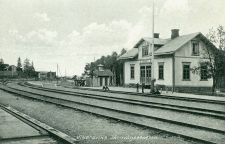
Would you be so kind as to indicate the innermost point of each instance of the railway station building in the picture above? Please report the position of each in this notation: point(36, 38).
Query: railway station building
point(174, 58)
point(101, 77)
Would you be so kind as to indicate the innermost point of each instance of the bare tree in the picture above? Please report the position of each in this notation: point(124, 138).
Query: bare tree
point(212, 58)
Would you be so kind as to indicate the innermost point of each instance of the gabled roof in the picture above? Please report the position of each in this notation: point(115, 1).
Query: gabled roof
point(176, 43)
point(105, 72)
point(7, 67)
point(169, 46)
point(157, 41)
point(129, 54)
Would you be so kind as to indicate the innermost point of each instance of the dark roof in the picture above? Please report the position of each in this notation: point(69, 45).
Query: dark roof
point(157, 41)
point(169, 46)
point(105, 72)
point(44, 72)
point(176, 43)
point(129, 54)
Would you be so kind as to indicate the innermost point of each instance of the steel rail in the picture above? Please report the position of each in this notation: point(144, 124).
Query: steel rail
point(192, 110)
point(50, 100)
point(46, 130)
point(153, 95)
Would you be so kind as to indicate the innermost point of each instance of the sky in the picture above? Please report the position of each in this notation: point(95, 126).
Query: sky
point(75, 32)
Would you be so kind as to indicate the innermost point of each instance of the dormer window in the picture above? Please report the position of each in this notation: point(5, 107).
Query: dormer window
point(144, 51)
point(195, 48)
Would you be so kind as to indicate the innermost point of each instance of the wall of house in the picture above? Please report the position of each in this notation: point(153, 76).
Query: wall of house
point(127, 78)
point(168, 75)
point(140, 50)
point(96, 81)
point(167, 81)
point(8, 73)
point(184, 54)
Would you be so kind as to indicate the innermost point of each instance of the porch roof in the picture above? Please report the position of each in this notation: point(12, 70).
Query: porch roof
point(105, 72)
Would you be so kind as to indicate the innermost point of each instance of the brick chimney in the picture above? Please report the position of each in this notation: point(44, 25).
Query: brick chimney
point(156, 35)
point(175, 33)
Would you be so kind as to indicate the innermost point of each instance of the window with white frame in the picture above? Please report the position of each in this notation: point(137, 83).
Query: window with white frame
point(144, 50)
point(132, 71)
point(203, 72)
point(195, 48)
point(161, 71)
point(186, 71)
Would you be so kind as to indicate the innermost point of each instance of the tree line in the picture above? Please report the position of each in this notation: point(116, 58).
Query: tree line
point(25, 70)
point(28, 69)
point(109, 62)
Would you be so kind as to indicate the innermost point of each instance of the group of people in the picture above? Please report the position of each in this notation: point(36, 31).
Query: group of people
point(156, 91)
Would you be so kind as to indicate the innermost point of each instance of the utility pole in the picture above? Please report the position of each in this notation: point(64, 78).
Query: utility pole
point(57, 74)
point(152, 60)
point(12, 70)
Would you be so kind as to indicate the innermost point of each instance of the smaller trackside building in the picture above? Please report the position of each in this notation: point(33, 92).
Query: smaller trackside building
point(174, 58)
point(101, 77)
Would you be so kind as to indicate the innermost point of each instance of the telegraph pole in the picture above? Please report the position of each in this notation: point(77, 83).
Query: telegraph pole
point(57, 74)
point(152, 59)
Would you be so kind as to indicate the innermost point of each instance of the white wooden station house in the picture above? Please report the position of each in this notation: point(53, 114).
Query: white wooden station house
point(174, 57)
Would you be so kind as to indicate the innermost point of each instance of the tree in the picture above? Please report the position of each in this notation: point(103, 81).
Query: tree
point(1, 61)
point(26, 67)
point(123, 51)
point(31, 69)
point(211, 57)
point(221, 38)
point(19, 65)
point(120, 68)
point(89, 68)
point(109, 62)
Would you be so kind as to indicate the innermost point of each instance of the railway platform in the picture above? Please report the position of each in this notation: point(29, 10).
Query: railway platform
point(134, 90)
point(15, 131)
point(169, 93)
point(18, 128)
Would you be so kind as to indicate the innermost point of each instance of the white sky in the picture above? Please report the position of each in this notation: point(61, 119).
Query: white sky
point(73, 32)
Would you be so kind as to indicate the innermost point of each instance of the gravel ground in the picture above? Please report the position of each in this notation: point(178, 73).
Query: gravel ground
point(211, 106)
point(166, 114)
point(89, 128)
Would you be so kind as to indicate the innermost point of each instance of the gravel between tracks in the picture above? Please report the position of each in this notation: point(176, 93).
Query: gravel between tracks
point(75, 123)
point(211, 106)
point(177, 116)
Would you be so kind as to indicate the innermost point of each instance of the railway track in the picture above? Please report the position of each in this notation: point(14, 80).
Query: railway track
point(48, 134)
point(188, 130)
point(150, 95)
point(192, 110)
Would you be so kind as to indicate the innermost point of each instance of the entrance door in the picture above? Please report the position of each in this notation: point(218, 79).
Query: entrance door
point(145, 75)
point(106, 81)
point(148, 75)
point(100, 81)
point(142, 75)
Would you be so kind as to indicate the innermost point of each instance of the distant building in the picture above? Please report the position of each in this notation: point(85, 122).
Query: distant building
point(174, 58)
point(45, 74)
point(101, 77)
point(11, 68)
point(3, 67)
point(7, 70)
